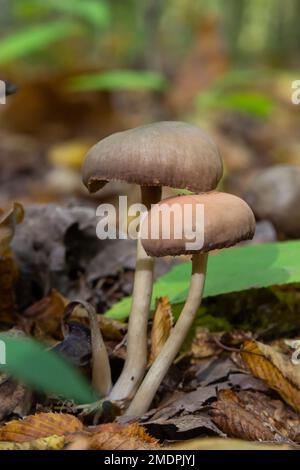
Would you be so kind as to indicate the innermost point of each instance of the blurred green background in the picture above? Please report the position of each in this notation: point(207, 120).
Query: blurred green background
point(86, 68)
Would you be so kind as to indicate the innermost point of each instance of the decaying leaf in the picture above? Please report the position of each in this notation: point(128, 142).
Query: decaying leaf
point(46, 443)
point(44, 317)
point(230, 416)
point(9, 218)
point(204, 344)
point(114, 436)
point(113, 330)
point(14, 397)
point(183, 426)
point(276, 369)
point(278, 414)
point(162, 324)
point(39, 426)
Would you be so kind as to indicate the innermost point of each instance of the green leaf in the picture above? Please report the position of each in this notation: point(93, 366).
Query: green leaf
point(256, 104)
point(43, 370)
point(25, 42)
point(230, 270)
point(253, 103)
point(119, 80)
point(94, 11)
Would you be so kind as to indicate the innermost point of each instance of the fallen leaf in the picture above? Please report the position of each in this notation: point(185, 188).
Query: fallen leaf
point(233, 419)
point(40, 425)
point(224, 444)
point(204, 345)
point(14, 398)
point(46, 443)
point(79, 442)
point(76, 345)
point(114, 436)
point(185, 426)
point(275, 412)
point(9, 218)
point(43, 318)
point(276, 369)
point(161, 327)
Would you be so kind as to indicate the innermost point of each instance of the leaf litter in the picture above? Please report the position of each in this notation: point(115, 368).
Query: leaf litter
point(223, 385)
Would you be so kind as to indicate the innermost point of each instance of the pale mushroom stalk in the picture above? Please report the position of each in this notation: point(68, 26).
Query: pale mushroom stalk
point(136, 359)
point(162, 363)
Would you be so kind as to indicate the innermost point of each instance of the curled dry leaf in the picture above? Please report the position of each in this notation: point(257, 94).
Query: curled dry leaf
point(39, 426)
point(46, 443)
point(162, 324)
point(230, 416)
point(276, 369)
point(114, 436)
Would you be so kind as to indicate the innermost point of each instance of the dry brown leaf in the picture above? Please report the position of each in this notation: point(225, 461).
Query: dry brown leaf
point(9, 218)
point(40, 425)
point(14, 397)
point(46, 443)
point(204, 344)
point(113, 330)
point(44, 317)
point(114, 436)
point(275, 412)
point(162, 324)
point(230, 416)
point(275, 369)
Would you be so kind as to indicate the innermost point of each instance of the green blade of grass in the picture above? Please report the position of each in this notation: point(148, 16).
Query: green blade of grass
point(35, 38)
point(42, 370)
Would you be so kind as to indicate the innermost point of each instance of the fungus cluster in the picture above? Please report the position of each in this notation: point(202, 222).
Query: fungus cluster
point(181, 156)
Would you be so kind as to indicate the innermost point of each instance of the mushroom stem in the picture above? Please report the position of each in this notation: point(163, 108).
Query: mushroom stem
point(159, 368)
point(136, 359)
point(101, 373)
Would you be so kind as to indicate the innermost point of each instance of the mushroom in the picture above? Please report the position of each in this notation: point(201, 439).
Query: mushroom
point(161, 154)
point(227, 221)
point(274, 195)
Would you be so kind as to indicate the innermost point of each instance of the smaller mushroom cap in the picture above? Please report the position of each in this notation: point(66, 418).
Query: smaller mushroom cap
point(171, 226)
point(167, 153)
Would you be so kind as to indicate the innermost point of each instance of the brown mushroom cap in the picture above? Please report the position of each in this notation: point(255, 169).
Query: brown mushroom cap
point(227, 221)
point(166, 153)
